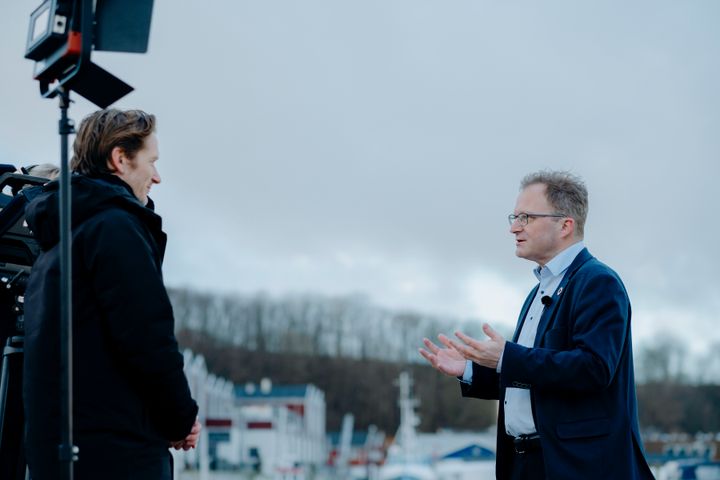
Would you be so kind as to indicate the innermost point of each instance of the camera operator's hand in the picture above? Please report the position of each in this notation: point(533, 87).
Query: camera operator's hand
point(191, 440)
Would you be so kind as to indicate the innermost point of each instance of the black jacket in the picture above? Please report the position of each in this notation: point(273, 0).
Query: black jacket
point(131, 396)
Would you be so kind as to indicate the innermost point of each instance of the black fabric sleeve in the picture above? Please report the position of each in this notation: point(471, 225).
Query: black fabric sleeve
point(485, 384)
point(138, 318)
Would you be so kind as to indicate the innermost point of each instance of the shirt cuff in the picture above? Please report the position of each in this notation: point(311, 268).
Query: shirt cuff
point(499, 365)
point(467, 374)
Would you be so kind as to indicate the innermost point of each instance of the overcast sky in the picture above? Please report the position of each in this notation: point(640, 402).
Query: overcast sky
point(376, 146)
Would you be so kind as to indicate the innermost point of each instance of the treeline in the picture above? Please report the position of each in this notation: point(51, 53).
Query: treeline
point(354, 351)
point(677, 407)
point(349, 326)
point(366, 388)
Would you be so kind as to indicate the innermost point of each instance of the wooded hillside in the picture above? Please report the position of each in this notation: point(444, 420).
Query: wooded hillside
point(365, 388)
point(353, 351)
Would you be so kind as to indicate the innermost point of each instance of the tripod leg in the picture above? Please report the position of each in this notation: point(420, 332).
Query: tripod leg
point(12, 418)
point(4, 382)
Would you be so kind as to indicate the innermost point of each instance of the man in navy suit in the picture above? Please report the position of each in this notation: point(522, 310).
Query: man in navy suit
point(565, 383)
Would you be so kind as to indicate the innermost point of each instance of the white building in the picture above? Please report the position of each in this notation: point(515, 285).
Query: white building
point(284, 427)
point(277, 429)
point(221, 437)
point(224, 425)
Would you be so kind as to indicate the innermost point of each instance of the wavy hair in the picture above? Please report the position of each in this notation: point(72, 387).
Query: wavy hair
point(104, 130)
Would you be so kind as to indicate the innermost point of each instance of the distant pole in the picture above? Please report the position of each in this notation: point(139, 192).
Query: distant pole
point(345, 444)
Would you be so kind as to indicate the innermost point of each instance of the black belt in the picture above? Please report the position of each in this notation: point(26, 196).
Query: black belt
point(527, 443)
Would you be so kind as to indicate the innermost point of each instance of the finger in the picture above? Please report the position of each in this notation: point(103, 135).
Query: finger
point(444, 340)
point(490, 332)
point(449, 344)
point(468, 340)
point(429, 357)
point(461, 349)
point(431, 346)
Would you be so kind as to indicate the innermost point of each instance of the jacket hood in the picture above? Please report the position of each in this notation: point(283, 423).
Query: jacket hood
point(89, 196)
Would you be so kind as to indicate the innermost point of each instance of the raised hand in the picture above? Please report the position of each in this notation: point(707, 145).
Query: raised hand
point(444, 359)
point(486, 353)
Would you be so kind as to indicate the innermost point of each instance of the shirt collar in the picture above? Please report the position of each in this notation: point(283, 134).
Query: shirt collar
point(560, 262)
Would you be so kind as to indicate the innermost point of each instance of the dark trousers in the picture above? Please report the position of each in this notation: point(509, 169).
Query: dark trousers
point(528, 465)
point(140, 469)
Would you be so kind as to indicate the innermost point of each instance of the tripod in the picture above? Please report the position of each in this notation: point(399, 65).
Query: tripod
point(12, 418)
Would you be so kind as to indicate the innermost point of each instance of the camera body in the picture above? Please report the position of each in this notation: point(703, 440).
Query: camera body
point(18, 248)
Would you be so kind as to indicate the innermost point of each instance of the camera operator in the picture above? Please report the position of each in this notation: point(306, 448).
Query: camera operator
point(131, 397)
point(43, 170)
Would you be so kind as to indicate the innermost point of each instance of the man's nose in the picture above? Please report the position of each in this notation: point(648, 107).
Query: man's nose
point(156, 177)
point(515, 227)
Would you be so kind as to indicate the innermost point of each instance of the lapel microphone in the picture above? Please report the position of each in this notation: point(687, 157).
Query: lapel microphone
point(546, 300)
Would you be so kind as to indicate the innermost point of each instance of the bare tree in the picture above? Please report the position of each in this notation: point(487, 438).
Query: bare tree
point(662, 360)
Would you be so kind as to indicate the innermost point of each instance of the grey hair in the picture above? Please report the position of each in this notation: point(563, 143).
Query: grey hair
point(565, 192)
point(45, 170)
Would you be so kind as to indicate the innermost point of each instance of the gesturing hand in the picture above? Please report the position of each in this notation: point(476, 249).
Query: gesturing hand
point(446, 360)
point(486, 353)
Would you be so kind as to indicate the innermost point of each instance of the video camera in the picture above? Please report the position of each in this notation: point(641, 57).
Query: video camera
point(18, 251)
point(18, 248)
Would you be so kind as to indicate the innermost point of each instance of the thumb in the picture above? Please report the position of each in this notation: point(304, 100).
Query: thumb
point(491, 333)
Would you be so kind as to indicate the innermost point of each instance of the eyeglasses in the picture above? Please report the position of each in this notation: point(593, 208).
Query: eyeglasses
point(524, 218)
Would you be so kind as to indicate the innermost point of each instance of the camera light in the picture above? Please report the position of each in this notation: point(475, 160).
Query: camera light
point(48, 28)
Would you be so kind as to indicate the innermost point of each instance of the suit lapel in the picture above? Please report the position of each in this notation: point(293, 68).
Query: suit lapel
point(523, 313)
point(558, 295)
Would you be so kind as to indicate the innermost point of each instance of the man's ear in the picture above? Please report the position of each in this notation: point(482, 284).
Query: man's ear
point(117, 161)
point(568, 227)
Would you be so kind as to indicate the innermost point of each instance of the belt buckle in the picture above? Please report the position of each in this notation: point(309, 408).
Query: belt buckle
point(522, 443)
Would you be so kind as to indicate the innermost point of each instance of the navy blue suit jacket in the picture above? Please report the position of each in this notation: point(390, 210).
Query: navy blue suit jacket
point(581, 381)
